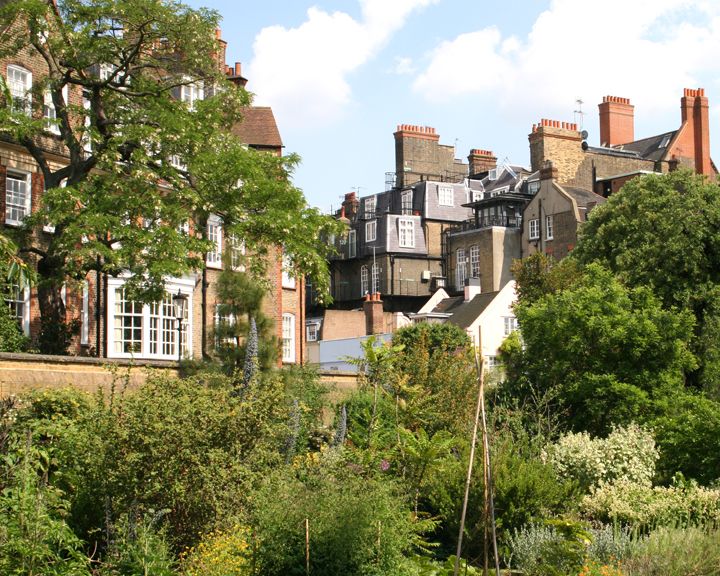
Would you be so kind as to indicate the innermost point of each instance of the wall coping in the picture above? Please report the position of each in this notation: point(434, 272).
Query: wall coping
point(87, 360)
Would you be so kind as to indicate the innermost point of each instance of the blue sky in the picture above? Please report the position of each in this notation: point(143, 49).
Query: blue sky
point(342, 74)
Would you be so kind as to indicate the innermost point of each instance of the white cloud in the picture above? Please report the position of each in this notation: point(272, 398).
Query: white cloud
point(302, 72)
point(647, 50)
point(403, 66)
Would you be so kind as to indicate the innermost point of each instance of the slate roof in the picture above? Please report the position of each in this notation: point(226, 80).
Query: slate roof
point(466, 313)
point(258, 128)
point(584, 197)
point(649, 148)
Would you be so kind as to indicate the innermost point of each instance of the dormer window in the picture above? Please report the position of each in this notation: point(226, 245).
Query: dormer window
point(446, 197)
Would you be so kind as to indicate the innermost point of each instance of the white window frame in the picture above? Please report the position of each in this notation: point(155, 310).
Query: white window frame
point(533, 186)
point(406, 233)
point(549, 227)
point(370, 206)
point(474, 261)
point(375, 278)
point(20, 88)
point(151, 320)
point(352, 244)
point(214, 233)
point(49, 112)
point(534, 229)
point(288, 280)
point(85, 315)
point(371, 231)
point(406, 202)
point(446, 195)
point(17, 208)
point(192, 93)
point(229, 319)
point(312, 332)
point(510, 325)
point(364, 280)
point(17, 299)
point(288, 338)
point(460, 268)
point(237, 252)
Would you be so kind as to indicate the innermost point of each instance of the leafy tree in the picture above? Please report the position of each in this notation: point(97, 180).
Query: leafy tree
point(610, 352)
point(238, 345)
point(660, 231)
point(141, 162)
point(540, 274)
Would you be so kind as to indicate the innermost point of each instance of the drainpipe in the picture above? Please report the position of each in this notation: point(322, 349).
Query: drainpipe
point(98, 306)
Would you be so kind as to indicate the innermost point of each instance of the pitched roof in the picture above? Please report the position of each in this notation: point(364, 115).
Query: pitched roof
point(584, 197)
point(467, 312)
point(652, 148)
point(258, 127)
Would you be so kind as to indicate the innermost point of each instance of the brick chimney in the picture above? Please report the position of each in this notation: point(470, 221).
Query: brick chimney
point(417, 154)
point(374, 316)
point(350, 205)
point(481, 161)
point(696, 125)
point(234, 74)
point(617, 121)
point(472, 288)
point(559, 142)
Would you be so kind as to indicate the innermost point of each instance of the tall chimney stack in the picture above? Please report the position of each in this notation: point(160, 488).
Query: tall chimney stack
point(696, 119)
point(617, 121)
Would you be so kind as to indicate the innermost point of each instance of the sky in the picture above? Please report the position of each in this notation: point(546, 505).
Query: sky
point(341, 75)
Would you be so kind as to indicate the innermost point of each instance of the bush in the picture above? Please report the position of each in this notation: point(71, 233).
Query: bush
point(11, 337)
point(645, 507)
point(676, 552)
point(220, 553)
point(628, 453)
point(552, 549)
point(358, 525)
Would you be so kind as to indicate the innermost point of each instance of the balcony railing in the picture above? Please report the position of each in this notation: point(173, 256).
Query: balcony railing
point(486, 222)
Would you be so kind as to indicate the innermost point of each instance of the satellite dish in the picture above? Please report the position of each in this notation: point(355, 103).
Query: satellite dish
point(584, 134)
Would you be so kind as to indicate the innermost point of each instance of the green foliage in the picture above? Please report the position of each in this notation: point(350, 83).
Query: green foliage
point(438, 338)
point(241, 298)
point(688, 435)
point(540, 274)
point(642, 506)
point(357, 523)
point(555, 548)
point(138, 548)
point(672, 551)
point(11, 337)
point(220, 553)
point(628, 453)
point(34, 536)
point(609, 351)
point(660, 231)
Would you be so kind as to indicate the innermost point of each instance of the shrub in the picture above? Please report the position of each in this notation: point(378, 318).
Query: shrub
point(643, 506)
point(220, 553)
point(676, 552)
point(552, 549)
point(11, 337)
point(628, 453)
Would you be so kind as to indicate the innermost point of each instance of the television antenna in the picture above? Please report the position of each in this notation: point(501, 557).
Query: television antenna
point(578, 112)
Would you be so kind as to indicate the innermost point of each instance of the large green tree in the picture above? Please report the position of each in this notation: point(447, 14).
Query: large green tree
point(608, 352)
point(147, 147)
point(661, 231)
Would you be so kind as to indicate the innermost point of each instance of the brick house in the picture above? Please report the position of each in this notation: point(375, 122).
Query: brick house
point(111, 326)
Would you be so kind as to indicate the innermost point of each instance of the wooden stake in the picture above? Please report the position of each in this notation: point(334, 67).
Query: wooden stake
point(468, 478)
point(307, 546)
